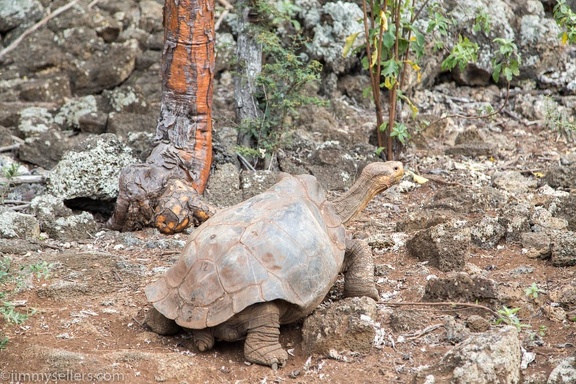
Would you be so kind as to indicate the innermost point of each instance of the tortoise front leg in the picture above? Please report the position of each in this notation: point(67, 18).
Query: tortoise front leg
point(263, 330)
point(359, 270)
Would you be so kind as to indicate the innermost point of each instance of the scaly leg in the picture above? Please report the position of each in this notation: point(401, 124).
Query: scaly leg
point(262, 345)
point(359, 270)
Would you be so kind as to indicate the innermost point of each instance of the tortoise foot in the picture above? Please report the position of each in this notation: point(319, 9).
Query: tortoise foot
point(203, 339)
point(270, 354)
point(262, 345)
point(359, 291)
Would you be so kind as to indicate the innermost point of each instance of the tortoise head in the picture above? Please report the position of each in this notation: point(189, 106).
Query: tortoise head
point(381, 176)
point(375, 178)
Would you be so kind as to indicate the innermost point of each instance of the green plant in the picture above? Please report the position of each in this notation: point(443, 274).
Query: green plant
point(12, 280)
point(542, 330)
point(566, 19)
point(283, 81)
point(462, 53)
point(392, 46)
point(508, 316)
point(533, 291)
point(9, 172)
point(558, 120)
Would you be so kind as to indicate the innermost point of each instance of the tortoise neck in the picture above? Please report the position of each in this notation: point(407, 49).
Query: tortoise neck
point(351, 203)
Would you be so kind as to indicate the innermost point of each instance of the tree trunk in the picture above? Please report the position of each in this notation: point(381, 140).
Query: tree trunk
point(249, 66)
point(165, 190)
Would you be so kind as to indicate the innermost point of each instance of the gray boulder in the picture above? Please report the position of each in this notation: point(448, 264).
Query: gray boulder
point(18, 225)
point(487, 232)
point(460, 287)
point(564, 249)
point(331, 23)
point(16, 13)
point(564, 373)
point(483, 358)
point(445, 246)
point(345, 325)
point(91, 170)
point(59, 222)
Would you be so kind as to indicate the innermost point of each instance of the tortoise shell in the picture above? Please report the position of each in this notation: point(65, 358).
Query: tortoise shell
point(286, 243)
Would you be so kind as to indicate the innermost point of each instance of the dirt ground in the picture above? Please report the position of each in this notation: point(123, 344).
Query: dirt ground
point(88, 325)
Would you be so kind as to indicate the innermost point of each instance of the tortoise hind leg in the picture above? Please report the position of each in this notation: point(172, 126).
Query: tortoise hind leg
point(359, 270)
point(160, 324)
point(263, 330)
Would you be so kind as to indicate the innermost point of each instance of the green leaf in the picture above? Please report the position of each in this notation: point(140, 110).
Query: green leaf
point(388, 39)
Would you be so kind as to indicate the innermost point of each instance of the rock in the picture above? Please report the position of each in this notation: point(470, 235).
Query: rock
point(483, 358)
point(59, 222)
point(18, 225)
point(331, 24)
point(108, 70)
point(460, 287)
point(537, 244)
point(93, 122)
point(73, 227)
point(91, 170)
point(469, 136)
point(422, 219)
point(513, 182)
point(47, 149)
point(16, 246)
point(51, 89)
point(122, 124)
point(543, 220)
point(402, 321)
point(141, 144)
point(150, 16)
point(19, 13)
point(487, 233)
point(255, 182)
point(564, 295)
point(465, 200)
point(445, 245)
point(472, 150)
point(333, 167)
point(456, 331)
point(70, 113)
point(347, 324)
point(564, 373)
point(564, 249)
point(353, 86)
point(562, 176)
point(5, 137)
point(477, 323)
point(35, 121)
point(223, 188)
point(515, 218)
point(567, 211)
point(225, 50)
point(125, 99)
point(223, 144)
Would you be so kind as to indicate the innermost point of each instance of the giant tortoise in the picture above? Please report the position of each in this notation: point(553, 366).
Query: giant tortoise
point(267, 261)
